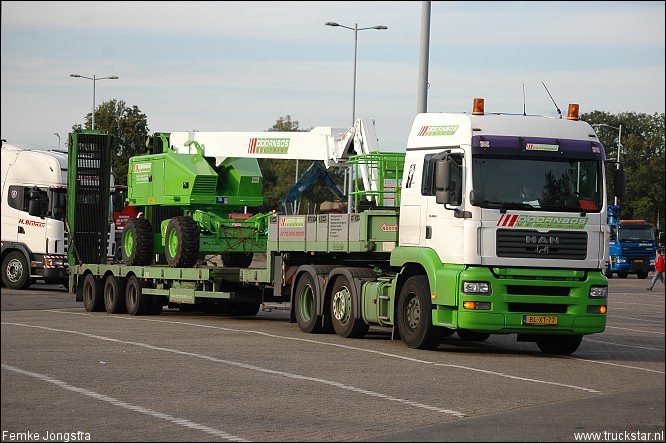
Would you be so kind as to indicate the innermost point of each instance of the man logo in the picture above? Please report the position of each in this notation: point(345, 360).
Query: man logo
point(534, 240)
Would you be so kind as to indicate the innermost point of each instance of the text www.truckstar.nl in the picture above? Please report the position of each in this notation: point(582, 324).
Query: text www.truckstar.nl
point(619, 436)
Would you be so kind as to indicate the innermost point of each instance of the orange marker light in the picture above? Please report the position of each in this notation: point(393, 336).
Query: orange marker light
point(602, 309)
point(573, 111)
point(479, 107)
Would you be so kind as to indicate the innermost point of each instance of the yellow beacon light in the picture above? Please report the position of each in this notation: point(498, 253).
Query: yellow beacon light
point(479, 106)
point(573, 111)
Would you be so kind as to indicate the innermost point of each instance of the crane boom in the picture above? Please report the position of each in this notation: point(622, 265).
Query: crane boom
point(331, 145)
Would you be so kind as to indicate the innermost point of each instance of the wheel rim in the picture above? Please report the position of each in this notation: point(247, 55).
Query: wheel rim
point(412, 313)
point(342, 305)
point(87, 293)
point(108, 295)
point(14, 270)
point(129, 242)
point(306, 303)
point(172, 243)
point(132, 296)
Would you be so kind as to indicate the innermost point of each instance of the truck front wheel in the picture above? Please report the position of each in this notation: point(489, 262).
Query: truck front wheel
point(15, 271)
point(414, 315)
point(343, 311)
point(559, 344)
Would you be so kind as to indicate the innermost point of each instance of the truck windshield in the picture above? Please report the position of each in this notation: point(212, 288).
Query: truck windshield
point(560, 185)
point(635, 234)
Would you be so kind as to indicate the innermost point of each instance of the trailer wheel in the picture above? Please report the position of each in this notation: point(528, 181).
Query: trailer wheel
point(156, 304)
point(343, 310)
point(559, 344)
point(305, 305)
point(137, 247)
point(414, 316)
point(114, 295)
point(181, 242)
point(15, 271)
point(137, 302)
point(467, 335)
point(93, 299)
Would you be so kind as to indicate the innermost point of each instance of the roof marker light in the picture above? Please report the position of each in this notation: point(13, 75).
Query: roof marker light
point(478, 107)
point(573, 111)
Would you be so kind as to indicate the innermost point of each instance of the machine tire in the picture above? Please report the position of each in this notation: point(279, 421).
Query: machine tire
point(305, 305)
point(343, 310)
point(181, 242)
point(559, 344)
point(137, 302)
point(467, 335)
point(622, 274)
point(114, 295)
point(137, 245)
point(642, 275)
point(93, 298)
point(237, 259)
point(16, 271)
point(414, 316)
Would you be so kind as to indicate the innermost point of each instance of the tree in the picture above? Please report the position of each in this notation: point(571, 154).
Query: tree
point(642, 155)
point(128, 126)
point(280, 176)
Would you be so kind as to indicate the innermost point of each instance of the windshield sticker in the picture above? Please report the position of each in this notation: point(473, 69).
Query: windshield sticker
point(541, 221)
point(427, 131)
point(541, 147)
point(268, 145)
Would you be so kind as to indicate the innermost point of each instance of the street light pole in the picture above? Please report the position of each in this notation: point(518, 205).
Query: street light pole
point(57, 135)
point(619, 143)
point(355, 29)
point(94, 80)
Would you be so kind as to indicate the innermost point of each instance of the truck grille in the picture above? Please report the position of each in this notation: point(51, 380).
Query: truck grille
point(529, 243)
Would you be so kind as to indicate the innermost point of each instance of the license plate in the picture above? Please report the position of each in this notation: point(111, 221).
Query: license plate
point(539, 319)
point(638, 261)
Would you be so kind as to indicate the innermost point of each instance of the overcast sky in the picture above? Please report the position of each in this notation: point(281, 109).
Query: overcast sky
point(240, 66)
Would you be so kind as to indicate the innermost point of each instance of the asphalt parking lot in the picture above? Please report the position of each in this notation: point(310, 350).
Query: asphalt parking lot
point(192, 377)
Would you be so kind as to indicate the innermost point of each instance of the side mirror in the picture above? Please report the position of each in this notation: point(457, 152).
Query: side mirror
point(442, 182)
point(476, 197)
point(620, 182)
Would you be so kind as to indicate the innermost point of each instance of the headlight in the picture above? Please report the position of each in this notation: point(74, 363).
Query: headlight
point(476, 287)
point(599, 292)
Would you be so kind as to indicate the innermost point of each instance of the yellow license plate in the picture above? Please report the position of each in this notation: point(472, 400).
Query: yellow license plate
point(638, 261)
point(539, 319)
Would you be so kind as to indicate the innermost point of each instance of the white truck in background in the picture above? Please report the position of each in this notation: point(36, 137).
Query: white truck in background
point(34, 199)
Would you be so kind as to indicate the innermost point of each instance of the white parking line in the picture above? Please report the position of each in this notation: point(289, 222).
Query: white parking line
point(253, 368)
point(626, 346)
point(114, 401)
point(634, 330)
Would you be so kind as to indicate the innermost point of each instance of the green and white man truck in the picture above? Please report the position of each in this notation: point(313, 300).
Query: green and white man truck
point(487, 224)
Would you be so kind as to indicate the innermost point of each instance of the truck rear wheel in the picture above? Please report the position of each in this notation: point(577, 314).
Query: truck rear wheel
point(622, 274)
point(343, 311)
point(114, 295)
point(414, 316)
point(608, 273)
point(137, 302)
point(642, 275)
point(305, 305)
point(15, 271)
point(93, 299)
point(181, 242)
point(137, 247)
point(559, 344)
